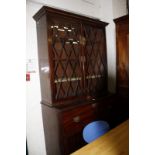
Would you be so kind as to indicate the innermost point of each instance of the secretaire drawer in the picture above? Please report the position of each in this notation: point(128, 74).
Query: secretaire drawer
point(75, 119)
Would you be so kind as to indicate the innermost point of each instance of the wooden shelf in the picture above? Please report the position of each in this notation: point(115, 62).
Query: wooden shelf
point(66, 80)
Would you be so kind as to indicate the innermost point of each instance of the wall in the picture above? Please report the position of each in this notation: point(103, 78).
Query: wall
point(34, 127)
point(106, 14)
point(103, 9)
point(119, 8)
point(87, 7)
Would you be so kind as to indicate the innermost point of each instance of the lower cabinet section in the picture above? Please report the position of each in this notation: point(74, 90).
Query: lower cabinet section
point(73, 121)
point(73, 142)
point(63, 126)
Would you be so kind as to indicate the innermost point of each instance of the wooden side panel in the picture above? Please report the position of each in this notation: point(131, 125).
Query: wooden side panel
point(122, 43)
point(51, 130)
point(43, 55)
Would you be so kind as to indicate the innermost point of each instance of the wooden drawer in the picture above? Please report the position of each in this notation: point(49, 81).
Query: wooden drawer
point(74, 120)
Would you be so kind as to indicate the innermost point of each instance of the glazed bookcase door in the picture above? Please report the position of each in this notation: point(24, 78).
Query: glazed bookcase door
point(95, 54)
point(66, 52)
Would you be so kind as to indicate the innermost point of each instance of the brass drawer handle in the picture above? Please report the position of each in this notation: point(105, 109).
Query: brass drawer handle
point(76, 119)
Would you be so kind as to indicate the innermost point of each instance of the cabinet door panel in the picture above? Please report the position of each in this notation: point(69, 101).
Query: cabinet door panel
point(122, 42)
point(66, 52)
point(95, 53)
point(123, 61)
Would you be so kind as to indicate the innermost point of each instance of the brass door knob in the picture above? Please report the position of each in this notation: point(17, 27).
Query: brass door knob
point(76, 119)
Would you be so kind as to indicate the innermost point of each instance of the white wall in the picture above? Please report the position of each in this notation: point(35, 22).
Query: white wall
point(103, 9)
point(106, 14)
point(119, 8)
point(90, 8)
point(34, 126)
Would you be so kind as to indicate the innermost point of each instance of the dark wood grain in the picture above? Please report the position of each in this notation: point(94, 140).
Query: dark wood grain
point(51, 130)
point(70, 70)
point(122, 45)
point(73, 76)
point(44, 61)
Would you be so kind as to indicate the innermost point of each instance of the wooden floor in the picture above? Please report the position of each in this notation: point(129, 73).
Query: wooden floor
point(115, 142)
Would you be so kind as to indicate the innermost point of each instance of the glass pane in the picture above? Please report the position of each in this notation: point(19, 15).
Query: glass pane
point(95, 52)
point(66, 51)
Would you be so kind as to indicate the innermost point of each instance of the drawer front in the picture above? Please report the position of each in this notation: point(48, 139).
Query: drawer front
point(75, 120)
